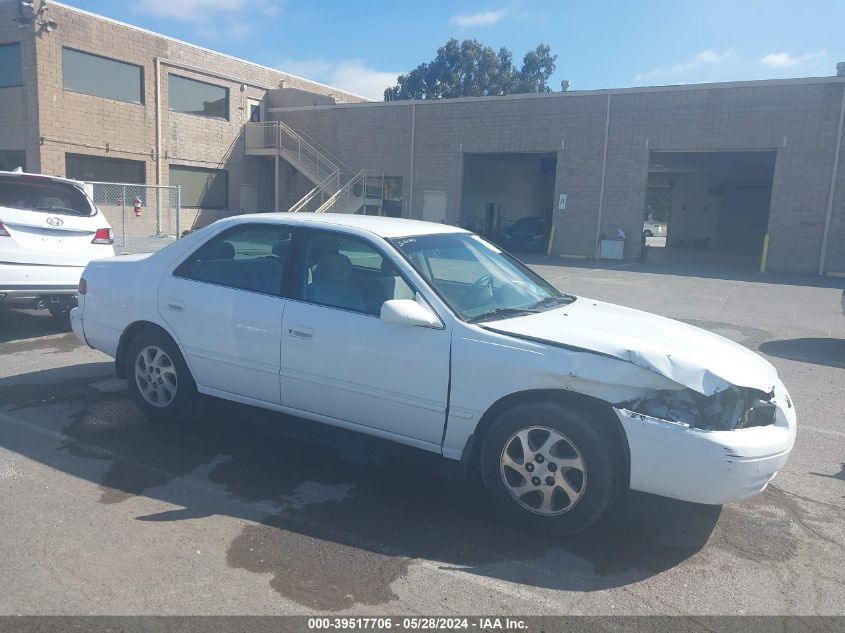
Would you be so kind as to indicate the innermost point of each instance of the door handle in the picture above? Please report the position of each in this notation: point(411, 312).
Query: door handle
point(176, 305)
point(301, 331)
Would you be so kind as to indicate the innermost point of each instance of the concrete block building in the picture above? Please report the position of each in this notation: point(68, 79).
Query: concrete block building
point(94, 99)
point(733, 169)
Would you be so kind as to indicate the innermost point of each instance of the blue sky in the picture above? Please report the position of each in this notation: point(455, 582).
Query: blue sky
point(362, 45)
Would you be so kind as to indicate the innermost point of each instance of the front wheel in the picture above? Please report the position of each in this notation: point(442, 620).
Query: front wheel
point(549, 467)
point(158, 377)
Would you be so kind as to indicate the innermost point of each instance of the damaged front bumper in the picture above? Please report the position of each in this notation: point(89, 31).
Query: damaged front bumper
point(676, 460)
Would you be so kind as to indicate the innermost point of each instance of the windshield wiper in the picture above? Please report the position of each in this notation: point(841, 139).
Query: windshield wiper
point(501, 312)
point(552, 302)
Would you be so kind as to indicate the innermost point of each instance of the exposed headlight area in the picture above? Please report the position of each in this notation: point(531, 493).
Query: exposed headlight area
point(733, 408)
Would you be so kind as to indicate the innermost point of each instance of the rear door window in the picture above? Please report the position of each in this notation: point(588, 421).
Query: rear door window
point(43, 195)
point(249, 257)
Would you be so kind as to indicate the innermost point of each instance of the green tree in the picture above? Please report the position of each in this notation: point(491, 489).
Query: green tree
point(470, 69)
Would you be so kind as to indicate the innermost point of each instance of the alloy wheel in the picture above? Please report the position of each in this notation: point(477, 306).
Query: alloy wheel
point(543, 470)
point(155, 375)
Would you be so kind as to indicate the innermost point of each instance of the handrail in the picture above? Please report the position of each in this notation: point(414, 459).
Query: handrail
point(360, 177)
point(318, 189)
point(315, 143)
point(275, 134)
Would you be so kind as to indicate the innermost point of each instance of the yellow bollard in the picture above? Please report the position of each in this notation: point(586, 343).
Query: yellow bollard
point(765, 255)
point(551, 240)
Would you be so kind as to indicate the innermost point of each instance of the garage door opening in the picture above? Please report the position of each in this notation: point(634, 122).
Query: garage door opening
point(708, 206)
point(508, 198)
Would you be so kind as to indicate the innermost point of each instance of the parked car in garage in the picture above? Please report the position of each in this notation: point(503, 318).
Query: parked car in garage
point(431, 336)
point(652, 228)
point(49, 231)
point(530, 234)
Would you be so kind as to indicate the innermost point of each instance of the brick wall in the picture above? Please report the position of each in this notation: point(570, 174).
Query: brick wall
point(84, 124)
point(19, 105)
point(729, 117)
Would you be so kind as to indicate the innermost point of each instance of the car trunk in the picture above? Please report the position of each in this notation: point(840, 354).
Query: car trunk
point(37, 240)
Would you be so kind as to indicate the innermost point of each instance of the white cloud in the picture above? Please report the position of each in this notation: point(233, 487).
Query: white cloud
point(352, 75)
point(785, 60)
point(483, 18)
point(701, 59)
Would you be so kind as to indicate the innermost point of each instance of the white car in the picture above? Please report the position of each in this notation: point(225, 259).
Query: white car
point(428, 335)
point(49, 231)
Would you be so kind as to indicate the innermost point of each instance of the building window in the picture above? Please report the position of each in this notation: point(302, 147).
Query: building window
point(100, 169)
point(10, 66)
point(11, 159)
point(102, 77)
point(201, 188)
point(197, 97)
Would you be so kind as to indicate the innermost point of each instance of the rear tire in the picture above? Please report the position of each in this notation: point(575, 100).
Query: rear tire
point(158, 377)
point(549, 467)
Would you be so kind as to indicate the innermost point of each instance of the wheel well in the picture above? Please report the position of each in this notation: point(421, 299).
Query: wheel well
point(594, 407)
point(133, 330)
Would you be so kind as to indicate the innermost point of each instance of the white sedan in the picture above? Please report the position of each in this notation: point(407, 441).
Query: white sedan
point(428, 335)
point(49, 231)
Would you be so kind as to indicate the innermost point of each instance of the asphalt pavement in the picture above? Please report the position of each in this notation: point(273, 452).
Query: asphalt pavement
point(242, 511)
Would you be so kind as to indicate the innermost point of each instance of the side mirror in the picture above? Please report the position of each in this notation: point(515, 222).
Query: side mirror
point(408, 312)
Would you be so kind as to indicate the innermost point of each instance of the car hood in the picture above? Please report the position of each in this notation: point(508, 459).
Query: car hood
point(695, 358)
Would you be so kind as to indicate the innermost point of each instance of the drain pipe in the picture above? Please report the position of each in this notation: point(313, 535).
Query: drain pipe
point(603, 170)
point(158, 118)
point(413, 134)
point(829, 211)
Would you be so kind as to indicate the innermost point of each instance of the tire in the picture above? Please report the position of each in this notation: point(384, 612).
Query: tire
point(158, 377)
point(571, 453)
point(62, 312)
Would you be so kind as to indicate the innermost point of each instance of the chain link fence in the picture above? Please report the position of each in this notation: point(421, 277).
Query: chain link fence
point(144, 218)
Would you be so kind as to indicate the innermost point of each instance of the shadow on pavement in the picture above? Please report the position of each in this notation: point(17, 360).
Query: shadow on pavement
point(334, 516)
point(22, 324)
point(818, 351)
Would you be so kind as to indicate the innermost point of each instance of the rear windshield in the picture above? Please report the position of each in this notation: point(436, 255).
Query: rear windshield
point(43, 195)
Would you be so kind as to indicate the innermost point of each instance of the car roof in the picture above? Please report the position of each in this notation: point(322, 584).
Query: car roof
point(379, 225)
point(34, 177)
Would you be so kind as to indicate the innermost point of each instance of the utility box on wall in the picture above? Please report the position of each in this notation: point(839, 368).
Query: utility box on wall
point(612, 249)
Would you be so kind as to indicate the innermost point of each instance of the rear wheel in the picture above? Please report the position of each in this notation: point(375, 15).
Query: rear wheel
point(158, 377)
point(549, 467)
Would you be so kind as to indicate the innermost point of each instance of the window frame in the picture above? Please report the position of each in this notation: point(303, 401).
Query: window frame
point(226, 89)
point(289, 265)
point(298, 269)
point(20, 64)
point(194, 168)
point(140, 67)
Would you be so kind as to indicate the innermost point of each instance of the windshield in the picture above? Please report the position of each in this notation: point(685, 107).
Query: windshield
point(476, 279)
point(43, 195)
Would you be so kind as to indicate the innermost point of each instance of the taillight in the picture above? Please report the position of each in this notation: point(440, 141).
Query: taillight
point(102, 236)
point(3, 231)
point(83, 287)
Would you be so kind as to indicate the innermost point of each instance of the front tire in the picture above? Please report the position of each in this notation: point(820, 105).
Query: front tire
point(158, 377)
point(549, 467)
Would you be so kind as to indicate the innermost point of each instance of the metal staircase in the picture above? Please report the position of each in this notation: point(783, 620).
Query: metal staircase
point(336, 189)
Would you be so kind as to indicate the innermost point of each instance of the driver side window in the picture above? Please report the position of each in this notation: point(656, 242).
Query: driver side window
point(348, 273)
